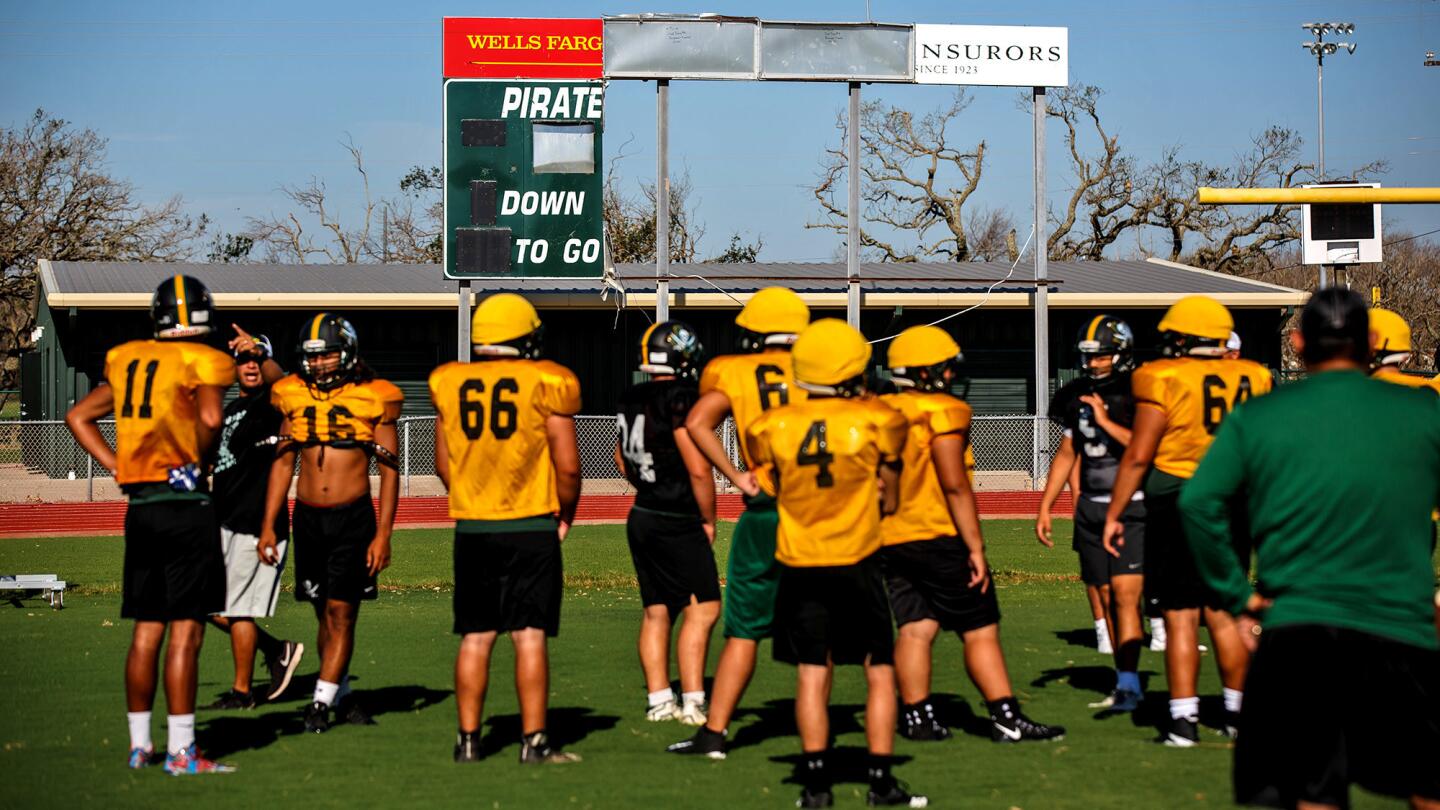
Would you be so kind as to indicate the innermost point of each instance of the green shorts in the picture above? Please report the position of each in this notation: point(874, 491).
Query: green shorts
point(752, 573)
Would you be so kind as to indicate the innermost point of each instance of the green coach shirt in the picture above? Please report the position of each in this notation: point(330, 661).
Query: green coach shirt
point(1340, 474)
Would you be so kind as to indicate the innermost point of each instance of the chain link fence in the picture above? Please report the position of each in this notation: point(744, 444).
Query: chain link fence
point(40, 460)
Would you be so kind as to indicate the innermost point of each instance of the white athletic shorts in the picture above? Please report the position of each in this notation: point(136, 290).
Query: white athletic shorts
point(251, 587)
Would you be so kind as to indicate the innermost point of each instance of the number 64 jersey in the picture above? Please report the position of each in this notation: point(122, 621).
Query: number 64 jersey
point(1195, 394)
point(820, 458)
point(493, 414)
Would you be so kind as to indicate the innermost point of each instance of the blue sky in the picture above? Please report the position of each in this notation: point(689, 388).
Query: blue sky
point(222, 103)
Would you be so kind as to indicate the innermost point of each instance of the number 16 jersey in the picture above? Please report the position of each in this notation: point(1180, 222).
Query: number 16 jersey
point(493, 414)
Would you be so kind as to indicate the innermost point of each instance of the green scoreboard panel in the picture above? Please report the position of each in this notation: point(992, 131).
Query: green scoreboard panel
point(523, 185)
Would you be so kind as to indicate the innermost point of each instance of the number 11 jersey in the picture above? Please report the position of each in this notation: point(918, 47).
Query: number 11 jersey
point(493, 414)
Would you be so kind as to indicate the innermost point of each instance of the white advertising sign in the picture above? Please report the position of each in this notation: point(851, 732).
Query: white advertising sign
point(1003, 55)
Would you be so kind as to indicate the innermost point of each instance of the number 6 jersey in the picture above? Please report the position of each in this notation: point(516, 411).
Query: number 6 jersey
point(493, 413)
point(154, 384)
point(1195, 394)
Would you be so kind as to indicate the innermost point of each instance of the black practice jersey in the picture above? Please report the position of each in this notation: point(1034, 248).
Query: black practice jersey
point(242, 469)
point(1099, 453)
point(649, 415)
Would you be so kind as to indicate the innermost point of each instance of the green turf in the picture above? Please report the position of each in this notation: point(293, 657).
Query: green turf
point(63, 737)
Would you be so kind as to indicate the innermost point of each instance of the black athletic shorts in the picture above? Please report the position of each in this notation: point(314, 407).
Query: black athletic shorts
point(673, 559)
point(330, 546)
point(1171, 576)
point(1328, 707)
point(833, 614)
point(1096, 564)
point(508, 581)
point(929, 579)
point(174, 566)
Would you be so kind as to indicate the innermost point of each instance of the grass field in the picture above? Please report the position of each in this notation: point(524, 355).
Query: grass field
point(63, 738)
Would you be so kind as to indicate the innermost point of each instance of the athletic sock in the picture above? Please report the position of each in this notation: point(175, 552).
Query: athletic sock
point(814, 776)
point(878, 770)
point(1005, 708)
point(1127, 681)
point(1184, 707)
point(1157, 627)
point(660, 696)
point(1102, 630)
point(182, 732)
point(1233, 698)
point(325, 692)
point(139, 729)
point(692, 698)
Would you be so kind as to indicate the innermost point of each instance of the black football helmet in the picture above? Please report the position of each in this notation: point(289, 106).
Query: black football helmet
point(181, 308)
point(1106, 334)
point(321, 335)
point(672, 347)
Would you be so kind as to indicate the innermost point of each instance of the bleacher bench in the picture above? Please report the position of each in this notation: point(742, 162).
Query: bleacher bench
point(50, 585)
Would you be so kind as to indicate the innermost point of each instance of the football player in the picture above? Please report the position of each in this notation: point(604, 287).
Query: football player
point(1097, 412)
point(337, 415)
point(1392, 350)
point(1180, 401)
point(505, 448)
point(933, 551)
point(744, 386)
point(166, 394)
point(242, 474)
point(672, 524)
point(824, 459)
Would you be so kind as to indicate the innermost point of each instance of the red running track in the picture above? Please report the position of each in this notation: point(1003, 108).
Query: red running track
point(108, 517)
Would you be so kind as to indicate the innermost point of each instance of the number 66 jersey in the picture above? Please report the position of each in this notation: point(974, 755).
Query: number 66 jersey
point(493, 414)
point(1195, 394)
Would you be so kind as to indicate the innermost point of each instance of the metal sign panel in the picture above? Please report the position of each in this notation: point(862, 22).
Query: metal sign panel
point(664, 48)
point(523, 189)
point(524, 48)
point(1341, 233)
point(995, 55)
point(835, 51)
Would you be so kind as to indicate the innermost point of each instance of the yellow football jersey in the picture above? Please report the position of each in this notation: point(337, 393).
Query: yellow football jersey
point(753, 383)
point(924, 513)
point(1391, 374)
point(154, 383)
point(346, 413)
point(1195, 394)
point(819, 459)
point(493, 413)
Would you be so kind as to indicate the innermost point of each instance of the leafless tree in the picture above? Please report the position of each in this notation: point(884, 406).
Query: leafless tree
point(630, 222)
point(990, 233)
point(285, 238)
point(414, 231)
point(903, 193)
point(58, 201)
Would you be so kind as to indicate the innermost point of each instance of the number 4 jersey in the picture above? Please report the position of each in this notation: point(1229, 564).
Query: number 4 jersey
point(154, 383)
point(650, 413)
point(820, 458)
point(1195, 394)
point(493, 413)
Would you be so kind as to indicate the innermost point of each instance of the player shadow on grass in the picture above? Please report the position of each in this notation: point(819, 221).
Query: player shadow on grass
point(776, 718)
point(566, 725)
point(847, 763)
point(1100, 680)
point(223, 734)
point(1083, 637)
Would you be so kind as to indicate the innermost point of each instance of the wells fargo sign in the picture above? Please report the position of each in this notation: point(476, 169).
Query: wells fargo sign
point(514, 48)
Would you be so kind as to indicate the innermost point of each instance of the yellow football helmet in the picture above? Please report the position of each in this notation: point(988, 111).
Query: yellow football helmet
point(1196, 325)
point(772, 317)
point(920, 356)
point(1392, 338)
point(830, 357)
point(506, 325)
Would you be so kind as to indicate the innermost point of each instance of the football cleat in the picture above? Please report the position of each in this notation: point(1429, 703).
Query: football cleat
point(662, 711)
point(693, 714)
point(1118, 701)
point(890, 793)
point(535, 750)
point(142, 757)
point(705, 743)
point(467, 746)
point(317, 718)
point(817, 798)
point(282, 668)
point(190, 762)
point(1021, 728)
point(234, 700)
point(918, 723)
point(1184, 732)
point(1232, 725)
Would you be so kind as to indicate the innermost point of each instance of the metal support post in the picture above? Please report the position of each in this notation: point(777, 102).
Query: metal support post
point(89, 477)
point(1042, 303)
point(1320, 105)
point(405, 458)
point(662, 200)
point(852, 212)
point(462, 324)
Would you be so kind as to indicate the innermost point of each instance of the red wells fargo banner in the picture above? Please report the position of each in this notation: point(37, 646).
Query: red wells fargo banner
point(521, 48)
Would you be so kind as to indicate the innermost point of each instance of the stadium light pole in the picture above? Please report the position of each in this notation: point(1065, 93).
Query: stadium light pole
point(1320, 49)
